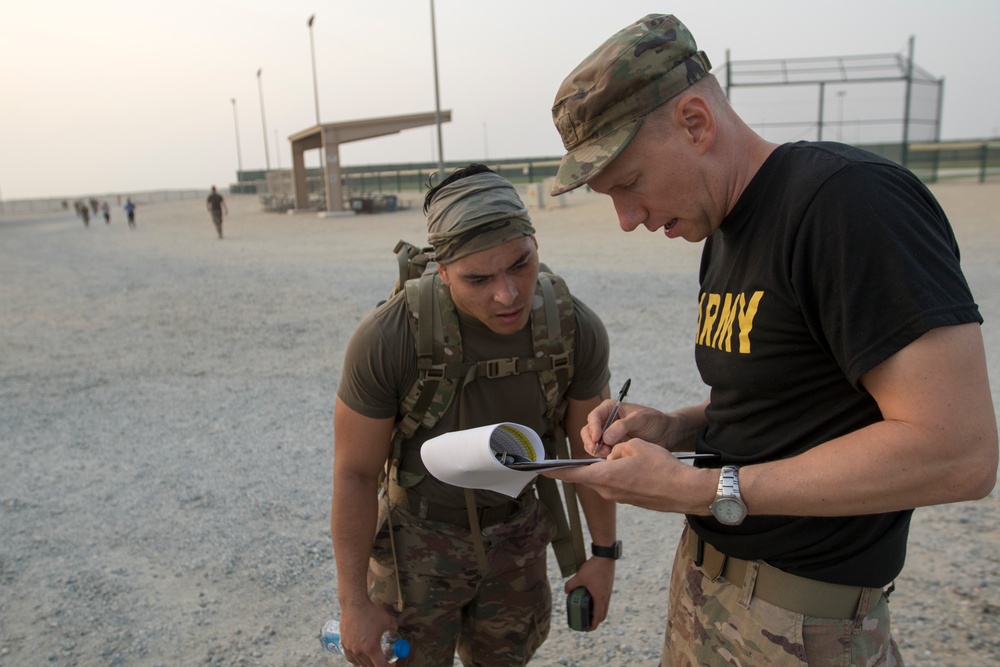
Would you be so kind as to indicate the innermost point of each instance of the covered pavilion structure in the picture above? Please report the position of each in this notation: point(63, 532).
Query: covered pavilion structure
point(329, 136)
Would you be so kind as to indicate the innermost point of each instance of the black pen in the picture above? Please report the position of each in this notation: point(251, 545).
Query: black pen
point(614, 413)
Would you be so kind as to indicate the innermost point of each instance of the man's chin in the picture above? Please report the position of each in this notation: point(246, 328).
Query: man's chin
point(508, 325)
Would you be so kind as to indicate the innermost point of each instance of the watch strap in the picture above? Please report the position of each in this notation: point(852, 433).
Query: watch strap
point(729, 482)
point(614, 552)
point(728, 493)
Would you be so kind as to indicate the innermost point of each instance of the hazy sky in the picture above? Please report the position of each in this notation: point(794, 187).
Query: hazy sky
point(115, 95)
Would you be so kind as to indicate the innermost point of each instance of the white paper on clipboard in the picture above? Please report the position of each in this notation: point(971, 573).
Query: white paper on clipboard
point(472, 458)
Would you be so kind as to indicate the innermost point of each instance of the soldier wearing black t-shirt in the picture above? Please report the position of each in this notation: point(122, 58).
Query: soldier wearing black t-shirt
point(838, 336)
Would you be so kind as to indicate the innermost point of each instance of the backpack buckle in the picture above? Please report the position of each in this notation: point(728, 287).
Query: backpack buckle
point(496, 368)
point(562, 360)
point(435, 372)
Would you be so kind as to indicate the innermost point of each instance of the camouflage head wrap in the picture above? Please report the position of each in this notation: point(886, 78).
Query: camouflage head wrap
point(473, 214)
point(601, 104)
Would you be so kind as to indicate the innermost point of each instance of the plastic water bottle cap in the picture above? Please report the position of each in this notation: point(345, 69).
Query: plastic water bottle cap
point(402, 648)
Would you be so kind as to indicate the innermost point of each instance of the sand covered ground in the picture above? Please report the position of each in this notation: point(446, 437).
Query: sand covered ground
point(166, 432)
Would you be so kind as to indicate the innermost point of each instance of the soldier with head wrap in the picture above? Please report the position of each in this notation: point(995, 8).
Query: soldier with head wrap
point(839, 339)
point(451, 569)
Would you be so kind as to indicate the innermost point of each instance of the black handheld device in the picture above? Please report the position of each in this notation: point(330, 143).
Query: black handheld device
point(579, 609)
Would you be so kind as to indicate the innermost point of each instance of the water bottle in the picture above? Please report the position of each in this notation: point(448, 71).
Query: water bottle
point(393, 646)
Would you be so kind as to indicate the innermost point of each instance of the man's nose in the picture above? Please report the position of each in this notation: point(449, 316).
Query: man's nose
point(506, 290)
point(630, 216)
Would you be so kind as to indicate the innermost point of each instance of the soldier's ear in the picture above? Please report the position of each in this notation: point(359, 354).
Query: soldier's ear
point(695, 117)
point(443, 273)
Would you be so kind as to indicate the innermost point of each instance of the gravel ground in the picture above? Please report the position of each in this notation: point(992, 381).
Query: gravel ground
point(166, 433)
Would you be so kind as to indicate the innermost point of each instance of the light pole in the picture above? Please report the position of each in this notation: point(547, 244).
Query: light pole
point(312, 50)
point(437, 96)
point(236, 122)
point(840, 114)
point(277, 148)
point(263, 122)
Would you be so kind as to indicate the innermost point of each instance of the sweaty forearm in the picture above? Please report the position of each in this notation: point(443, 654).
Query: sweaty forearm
point(600, 515)
point(353, 522)
point(884, 467)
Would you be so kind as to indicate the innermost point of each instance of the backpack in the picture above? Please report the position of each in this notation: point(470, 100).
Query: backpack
point(439, 382)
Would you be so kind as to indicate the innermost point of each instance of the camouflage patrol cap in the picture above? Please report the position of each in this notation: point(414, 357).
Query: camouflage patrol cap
point(601, 104)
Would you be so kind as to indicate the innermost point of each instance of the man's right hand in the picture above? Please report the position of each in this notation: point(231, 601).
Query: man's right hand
point(673, 431)
point(361, 630)
point(632, 421)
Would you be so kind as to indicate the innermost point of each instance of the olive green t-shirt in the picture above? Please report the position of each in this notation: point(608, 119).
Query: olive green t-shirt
point(380, 366)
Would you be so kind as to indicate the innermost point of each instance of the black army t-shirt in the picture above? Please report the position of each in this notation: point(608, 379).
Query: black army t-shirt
point(832, 261)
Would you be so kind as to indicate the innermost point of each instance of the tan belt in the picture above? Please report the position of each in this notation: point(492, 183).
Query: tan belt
point(801, 595)
point(419, 506)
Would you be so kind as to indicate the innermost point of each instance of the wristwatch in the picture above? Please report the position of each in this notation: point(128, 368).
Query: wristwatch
point(614, 552)
point(728, 506)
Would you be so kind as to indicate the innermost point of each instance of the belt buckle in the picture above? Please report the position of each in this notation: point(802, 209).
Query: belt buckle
point(487, 515)
point(491, 516)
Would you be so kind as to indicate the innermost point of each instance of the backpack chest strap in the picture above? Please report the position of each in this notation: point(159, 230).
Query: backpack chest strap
point(498, 368)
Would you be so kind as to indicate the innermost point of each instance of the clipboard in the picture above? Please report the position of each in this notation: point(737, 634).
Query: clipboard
point(552, 464)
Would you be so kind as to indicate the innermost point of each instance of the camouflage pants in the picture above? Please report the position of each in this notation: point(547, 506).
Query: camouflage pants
point(717, 623)
point(496, 618)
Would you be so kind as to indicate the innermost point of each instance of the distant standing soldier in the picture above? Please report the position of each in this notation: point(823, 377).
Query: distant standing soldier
point(130, 212)
point(217, 207)
point(106, 212)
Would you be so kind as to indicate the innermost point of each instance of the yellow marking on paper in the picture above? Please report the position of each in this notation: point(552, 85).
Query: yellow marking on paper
point(523, 440)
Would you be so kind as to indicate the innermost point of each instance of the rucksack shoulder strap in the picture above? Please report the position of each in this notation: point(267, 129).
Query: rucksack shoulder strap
point(434, 324)
point(413, 261)
point(554, 336)
point(553, 330)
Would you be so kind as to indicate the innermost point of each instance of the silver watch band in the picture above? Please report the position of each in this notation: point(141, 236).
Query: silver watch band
point(729, 482)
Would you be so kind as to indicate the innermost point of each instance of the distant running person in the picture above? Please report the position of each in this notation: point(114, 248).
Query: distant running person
point(130, 212)
point(217, 207)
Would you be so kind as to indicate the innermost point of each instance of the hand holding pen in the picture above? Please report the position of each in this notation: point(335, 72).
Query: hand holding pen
point(613, 415)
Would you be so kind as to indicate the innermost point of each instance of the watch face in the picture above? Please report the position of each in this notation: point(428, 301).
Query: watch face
point(728, 511)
